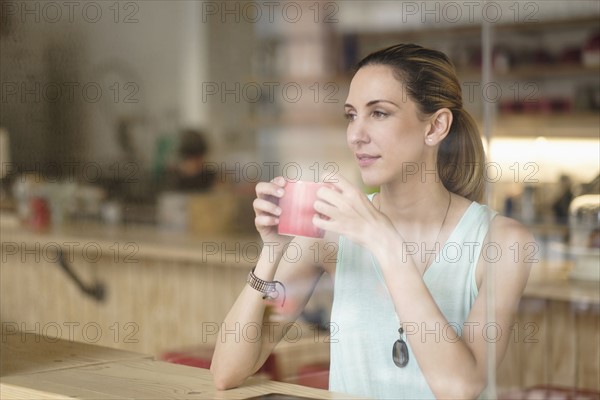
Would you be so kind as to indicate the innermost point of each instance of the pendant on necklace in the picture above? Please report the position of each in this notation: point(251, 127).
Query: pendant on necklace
point(400, 351)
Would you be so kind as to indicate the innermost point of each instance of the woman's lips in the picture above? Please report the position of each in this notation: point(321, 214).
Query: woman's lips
point(364, 160)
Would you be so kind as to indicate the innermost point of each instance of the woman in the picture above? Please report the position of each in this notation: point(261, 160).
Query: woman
point(414, 255)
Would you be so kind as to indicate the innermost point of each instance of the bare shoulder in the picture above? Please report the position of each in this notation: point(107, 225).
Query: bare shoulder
point(518, 248)
point(515, 252)
point(506, 230)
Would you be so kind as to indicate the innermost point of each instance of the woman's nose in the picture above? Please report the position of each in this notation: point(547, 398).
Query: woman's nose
point(357, 132)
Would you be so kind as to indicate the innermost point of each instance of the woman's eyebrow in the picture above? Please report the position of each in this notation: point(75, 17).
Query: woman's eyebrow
point(373, 102)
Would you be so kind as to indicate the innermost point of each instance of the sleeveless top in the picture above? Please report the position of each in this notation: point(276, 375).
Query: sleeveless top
point(364, 324)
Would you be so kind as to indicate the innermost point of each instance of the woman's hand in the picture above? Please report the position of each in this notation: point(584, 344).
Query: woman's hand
point(347, 211)
point(267, 211)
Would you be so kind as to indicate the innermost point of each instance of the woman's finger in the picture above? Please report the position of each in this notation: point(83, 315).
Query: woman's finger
point(325, 224)
point(330, 195)
point(340, 183)
point(348, 191)
point(327, 209)
point(266, 220)
point(345, 196)
point(274, 188)
point(264, 206)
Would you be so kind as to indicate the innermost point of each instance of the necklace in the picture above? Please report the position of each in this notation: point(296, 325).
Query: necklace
point(400, 348)
point(440, 231)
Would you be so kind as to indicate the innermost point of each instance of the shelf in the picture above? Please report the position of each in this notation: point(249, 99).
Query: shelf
point(299, 121)
point(303, 80)
point(453, 30)
point(569, 124)
point(542, 71)
point(572, 125)
point(537, 72)
point(554, 25)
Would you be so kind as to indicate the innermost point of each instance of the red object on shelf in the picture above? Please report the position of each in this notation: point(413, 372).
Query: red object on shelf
point(314, 375)
point(571, 55)
point(40, 214)
point(543, 392)
point(591, 51)
point(201, 357)
point(543, 105)
point(511, 107)
point(542, 57)
point(593, 43)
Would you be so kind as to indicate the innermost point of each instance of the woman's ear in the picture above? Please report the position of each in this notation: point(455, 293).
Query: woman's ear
point(440, 123)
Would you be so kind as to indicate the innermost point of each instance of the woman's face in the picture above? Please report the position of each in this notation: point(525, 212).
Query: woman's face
point(384, 131)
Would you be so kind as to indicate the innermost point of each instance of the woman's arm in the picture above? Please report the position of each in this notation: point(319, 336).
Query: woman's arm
point(455, 366)
point(235, 358)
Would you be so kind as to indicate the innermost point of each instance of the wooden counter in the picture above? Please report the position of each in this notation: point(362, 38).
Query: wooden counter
point(550, 280)
point(100, 373)
point(564, 290)
point(177, 288)
point(138, 244)
point(26, 353)
point(135, 242)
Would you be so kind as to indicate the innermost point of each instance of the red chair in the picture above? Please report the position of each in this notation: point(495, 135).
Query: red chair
point(314, 375)
point(201, 357)
point(542, 392)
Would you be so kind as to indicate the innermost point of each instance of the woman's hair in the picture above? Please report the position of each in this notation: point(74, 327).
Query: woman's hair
point(429, 79)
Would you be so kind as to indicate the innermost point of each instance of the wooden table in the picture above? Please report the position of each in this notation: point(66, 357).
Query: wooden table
point(38, 369)
point(142, 379)
point(26, 353)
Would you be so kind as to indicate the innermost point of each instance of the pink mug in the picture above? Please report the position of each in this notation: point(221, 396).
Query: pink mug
point(297, 209)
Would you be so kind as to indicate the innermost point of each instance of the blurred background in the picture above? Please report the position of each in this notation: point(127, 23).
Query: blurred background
point(132, 134)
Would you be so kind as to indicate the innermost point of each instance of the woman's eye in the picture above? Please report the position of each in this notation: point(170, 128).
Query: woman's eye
point(379, 114)
point(349, 116)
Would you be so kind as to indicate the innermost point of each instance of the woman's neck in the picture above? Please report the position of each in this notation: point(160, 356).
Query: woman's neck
point(413, 203)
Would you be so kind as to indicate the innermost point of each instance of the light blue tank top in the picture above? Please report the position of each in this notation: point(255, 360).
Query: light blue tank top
point(364, 325)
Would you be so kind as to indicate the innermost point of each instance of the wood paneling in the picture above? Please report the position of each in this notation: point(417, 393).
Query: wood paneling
point(587, 327)
point(558, 344)
point(562, 344)
point(151, 306)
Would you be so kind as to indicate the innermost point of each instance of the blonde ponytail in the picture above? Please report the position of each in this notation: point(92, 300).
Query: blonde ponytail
point(461, 158)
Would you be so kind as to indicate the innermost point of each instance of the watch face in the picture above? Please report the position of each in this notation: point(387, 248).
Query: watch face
point(278, 396)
